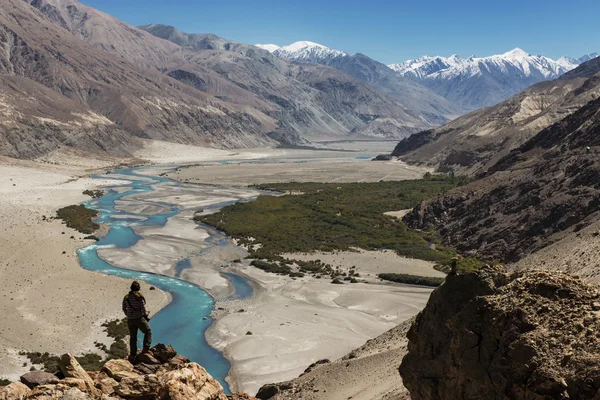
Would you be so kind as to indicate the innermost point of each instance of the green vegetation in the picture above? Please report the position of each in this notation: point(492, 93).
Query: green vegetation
point(412, 279)
point(79, 217)
point(116, 329)
point(94, 194)
point(274, 268)
point(466, 264)
point(332, 216)
point(4, 382)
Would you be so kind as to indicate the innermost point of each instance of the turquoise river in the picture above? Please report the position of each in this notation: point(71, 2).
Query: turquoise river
point(184, 321)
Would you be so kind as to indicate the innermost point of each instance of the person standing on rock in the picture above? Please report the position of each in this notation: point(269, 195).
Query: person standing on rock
point(134, 307)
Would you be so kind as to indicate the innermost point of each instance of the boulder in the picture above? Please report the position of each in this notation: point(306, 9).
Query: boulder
point(267, 392)
point(36, 378)
point(107, 385)
point(496, 335)
point(147, 368)
point(146, 358)
point(141, 385)
point(163, 353)
point(76, 394)
point(179, 360)
point(14, 391)
point(190, 382)
point(68, 383)
point(71, 369)
point(45, 391)
point(119, 369)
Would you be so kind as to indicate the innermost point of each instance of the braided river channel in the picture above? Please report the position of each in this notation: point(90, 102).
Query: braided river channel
point(184, 321)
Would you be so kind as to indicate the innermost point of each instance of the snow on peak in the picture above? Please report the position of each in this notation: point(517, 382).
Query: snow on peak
point(302, 45)
point(307, 51)
point(514, 62)
point(269, 47)
point(516, 52)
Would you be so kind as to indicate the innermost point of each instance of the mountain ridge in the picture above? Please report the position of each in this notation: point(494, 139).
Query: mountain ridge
point(474, 142)
point(434, 109)
point(477, 82)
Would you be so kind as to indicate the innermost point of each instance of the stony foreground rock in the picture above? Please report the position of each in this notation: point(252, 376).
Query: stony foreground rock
point(494, 335)
point(164, 376)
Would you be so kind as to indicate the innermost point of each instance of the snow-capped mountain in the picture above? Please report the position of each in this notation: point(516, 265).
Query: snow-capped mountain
point(269, 47)
point(577, 61)
point(421, 101)
point(478, 82)
point(308, 52)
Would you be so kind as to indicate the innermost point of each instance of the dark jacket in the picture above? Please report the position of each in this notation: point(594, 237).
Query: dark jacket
point(134, 305)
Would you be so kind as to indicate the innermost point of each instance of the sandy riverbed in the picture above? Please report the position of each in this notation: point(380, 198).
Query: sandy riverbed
point(293, 322)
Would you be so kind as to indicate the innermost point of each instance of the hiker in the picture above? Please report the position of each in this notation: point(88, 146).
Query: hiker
point(134, 307)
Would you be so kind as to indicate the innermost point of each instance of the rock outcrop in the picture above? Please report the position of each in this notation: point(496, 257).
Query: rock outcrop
point(495, 335)
point(169, 377)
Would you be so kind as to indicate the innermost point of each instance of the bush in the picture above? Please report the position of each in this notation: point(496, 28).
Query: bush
point(90, 362)
point(94, 194)
point(79, 217)
point(412, 279)
point(271, 267)
point(116, 329)
point(4, 382)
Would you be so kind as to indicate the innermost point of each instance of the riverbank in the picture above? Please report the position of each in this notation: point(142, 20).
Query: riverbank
point(48, 302)
point(290, 323)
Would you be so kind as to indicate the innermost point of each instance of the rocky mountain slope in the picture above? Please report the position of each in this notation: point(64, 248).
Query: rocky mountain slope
point(164, 375)
point(474, 142)
point(478, 82)
point(494, 335)
point(257, 83)
point(59, 91)
point(314, 102)
point(123, 83)
point(432, 108)
point(542, 191)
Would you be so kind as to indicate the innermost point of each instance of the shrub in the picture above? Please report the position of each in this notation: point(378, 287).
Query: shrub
point(412, 279)
point(79, 217)
point(94, 194)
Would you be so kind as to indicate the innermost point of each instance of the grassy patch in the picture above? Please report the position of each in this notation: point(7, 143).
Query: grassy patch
point(333, 216)
point(116, 329)
point(4, 382)
point(412, 279)
point(79, 217)
point(466, 264)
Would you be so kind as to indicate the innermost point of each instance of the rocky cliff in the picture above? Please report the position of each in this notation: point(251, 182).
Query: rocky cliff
point(163, 375)
point(493, 335)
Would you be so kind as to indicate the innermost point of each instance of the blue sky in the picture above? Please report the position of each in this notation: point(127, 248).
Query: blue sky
point(389, 31)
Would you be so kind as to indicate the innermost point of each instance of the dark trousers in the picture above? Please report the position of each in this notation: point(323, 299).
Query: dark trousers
point(142, 325)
